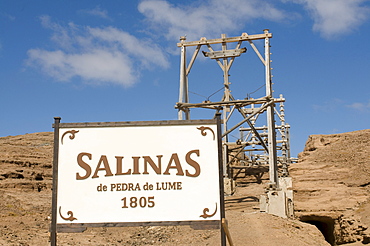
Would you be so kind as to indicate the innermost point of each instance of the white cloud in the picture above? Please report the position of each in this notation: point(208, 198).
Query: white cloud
point(63, 36)
point(360, 106)
point(97, 66)
point(210, 18)
point(145, 51)
point(98, 12)
point(96, 55)
point(333, 18)
point(207, 18)
point(334, 104)
point(7, 16)
point(327, 106)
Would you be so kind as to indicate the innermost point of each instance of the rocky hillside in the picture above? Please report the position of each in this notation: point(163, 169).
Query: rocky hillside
point(25, 158)
point(331, 184)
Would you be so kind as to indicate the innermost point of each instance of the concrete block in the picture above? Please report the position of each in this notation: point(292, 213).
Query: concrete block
point(229, 186)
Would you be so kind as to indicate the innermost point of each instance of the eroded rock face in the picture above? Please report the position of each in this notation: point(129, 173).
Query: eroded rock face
point(13, 175)
point(27, 150)
point(349, 229)
point(332, 179)
point(25, 159)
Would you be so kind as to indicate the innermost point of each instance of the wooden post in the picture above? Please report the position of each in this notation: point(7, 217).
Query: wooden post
point(270, 118)
point(221, 177)
point(183, 94)
point(226, 229)
point(53, 227)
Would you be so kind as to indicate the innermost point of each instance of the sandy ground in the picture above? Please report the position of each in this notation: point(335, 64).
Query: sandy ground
point(25, 220)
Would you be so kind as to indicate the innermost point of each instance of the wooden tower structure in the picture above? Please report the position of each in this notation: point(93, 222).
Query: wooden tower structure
point(259, 147)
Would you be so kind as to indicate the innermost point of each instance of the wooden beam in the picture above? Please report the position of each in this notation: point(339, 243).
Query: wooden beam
point(238, 103)
point(226, 229)
point(80, 227)
point(243, 37)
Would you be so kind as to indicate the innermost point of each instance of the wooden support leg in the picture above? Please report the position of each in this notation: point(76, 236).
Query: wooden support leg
point(227, 232)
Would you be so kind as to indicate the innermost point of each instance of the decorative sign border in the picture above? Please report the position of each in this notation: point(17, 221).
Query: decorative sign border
point(66, 219)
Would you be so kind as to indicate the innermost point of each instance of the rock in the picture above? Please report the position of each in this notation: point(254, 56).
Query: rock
point(331, 180)
point(366, 239)
point(39, 176)
point(13, 175)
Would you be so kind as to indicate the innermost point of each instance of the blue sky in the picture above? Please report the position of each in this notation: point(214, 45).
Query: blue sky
point(88, 61)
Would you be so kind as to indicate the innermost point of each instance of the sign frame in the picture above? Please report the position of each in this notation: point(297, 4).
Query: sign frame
point(80, 227)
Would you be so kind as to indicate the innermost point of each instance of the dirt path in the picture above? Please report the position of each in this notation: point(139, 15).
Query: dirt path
point(25, 219)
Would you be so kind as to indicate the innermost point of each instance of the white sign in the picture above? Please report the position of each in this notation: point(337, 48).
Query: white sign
point(151, 173)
